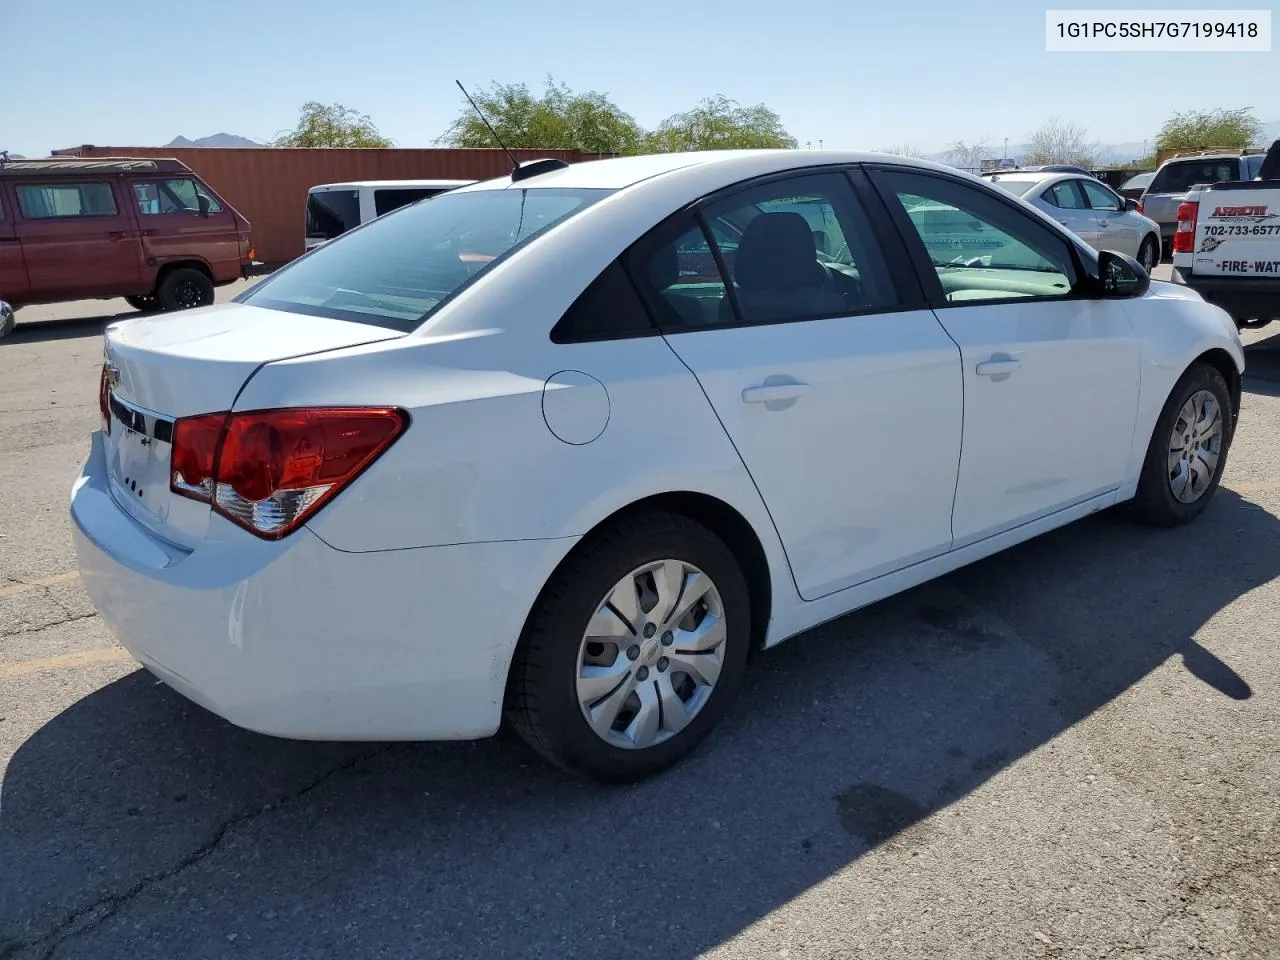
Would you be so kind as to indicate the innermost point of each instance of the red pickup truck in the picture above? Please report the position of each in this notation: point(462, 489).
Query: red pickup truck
point(150, 231)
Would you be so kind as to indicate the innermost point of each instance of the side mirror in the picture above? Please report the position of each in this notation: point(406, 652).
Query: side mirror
point(1121, 277)
point(1130, 203)
point(203, 203)
point(7, 322)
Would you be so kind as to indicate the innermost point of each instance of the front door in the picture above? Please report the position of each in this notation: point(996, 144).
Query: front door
point(844, 403)
point(1050, 379)
point(179, 220)
point(77, 238)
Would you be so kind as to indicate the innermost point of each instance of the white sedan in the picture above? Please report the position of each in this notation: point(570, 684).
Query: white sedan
point(1088, 208)
point(566, 448)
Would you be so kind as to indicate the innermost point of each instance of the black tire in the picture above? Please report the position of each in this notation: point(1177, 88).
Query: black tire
point(541, 702)
point(184, 289)
point(1149, 253)
point(1155, 503)
point(145, 304)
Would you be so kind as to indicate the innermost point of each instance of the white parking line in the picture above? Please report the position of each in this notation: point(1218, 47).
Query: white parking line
point(36, 584)
point(65, 661)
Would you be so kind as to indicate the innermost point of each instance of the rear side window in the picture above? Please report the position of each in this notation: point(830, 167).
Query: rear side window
point(47, 201)
point(1181, 176)
point(179, 195)
point(609, 309)
point(1253, 166)
point(384, 201)
point(1066, 195)
point(331, 213)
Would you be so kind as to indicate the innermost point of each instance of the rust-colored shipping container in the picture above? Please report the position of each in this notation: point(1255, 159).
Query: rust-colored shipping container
point(269, 184)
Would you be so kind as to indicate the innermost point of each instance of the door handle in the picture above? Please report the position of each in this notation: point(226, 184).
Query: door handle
point(996, 367)
point(118, 234)
point(148, 233)
point(774, 392)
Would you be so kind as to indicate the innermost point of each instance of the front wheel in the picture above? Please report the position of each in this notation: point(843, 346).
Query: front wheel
point(1149, 253)
point(183, 289)
point(634, 651)
point(1188, 450)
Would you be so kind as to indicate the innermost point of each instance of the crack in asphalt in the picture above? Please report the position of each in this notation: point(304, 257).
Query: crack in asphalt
point(89, 918)
point(49, 626)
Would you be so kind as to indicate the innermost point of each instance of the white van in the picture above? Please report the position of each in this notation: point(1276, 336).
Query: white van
point(335, 208)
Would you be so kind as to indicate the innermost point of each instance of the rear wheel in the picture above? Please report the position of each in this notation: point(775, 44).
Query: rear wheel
point(1149, 253)
point(183, 289)
point(1188, 450)
point(634, 651)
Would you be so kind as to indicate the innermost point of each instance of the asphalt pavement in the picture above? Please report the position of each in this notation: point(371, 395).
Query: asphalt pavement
point(1068, 750)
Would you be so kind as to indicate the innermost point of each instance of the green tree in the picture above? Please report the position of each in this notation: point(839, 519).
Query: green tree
point(332, 125)
point(1222, 127)
point(557, 119)
point(718, 123)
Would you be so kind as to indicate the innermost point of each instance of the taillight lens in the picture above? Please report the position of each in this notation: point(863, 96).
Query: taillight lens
point(104, 400)
point(1142, 202)
point(1184, 238)
point(270, 470)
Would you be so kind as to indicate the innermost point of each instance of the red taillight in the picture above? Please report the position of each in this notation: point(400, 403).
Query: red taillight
point(104, 400)
point(271, 470)
point(1142, 202)
point(1184, 239)
point(195, 443)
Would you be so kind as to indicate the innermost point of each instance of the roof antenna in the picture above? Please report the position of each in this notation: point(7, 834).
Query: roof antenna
point(518, 172)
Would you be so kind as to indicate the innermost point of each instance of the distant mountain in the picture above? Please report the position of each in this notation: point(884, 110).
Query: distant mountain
point(1120, 152)
point(217, 140)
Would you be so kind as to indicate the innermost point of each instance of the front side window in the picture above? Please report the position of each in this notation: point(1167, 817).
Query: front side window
point(396, 270)
point(793, 249)
point(46, 201)
point(980, 248)
point(179, 195)
point(1100, 198)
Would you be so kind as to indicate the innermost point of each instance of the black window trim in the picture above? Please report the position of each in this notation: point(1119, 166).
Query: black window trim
point(1086, 267)
point(109, 182)
point(903, 279)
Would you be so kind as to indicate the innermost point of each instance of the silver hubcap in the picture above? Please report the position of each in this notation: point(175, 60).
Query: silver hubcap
point(1148, 256)
point(1195, 447)
point(651, 655)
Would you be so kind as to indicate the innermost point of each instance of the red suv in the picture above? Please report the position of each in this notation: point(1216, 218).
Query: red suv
point(150, 231)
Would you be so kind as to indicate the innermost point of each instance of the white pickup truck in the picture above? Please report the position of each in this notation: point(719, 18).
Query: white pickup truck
point(1227, 244)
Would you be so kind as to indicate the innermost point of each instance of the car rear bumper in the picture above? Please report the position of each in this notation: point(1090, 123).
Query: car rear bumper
point(1245, 298)
point(253, 268)
point(297, 639)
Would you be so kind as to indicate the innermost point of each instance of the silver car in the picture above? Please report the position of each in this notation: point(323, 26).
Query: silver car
point(1088, 208)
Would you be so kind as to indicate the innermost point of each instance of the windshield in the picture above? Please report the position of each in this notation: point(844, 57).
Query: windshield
point(1018, 188)
point(395, 270)
point(331, 213)
point(1181, 177)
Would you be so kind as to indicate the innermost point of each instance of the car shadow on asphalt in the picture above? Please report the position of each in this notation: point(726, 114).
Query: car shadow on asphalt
point(144, 825)
point(42, 331)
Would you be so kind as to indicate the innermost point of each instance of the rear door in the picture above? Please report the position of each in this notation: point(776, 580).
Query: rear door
point(1067, 204)
point(13, 272)
point(77, 238)
point(841, 393)
point(179, 220)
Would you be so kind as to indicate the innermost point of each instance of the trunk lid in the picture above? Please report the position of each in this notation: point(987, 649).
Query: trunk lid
point(1238, 231)
point(166, 367)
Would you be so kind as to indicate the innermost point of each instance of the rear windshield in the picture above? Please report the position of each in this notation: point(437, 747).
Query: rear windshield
point(394, 271)
point(1181, 176)
point(331, 213)
point(1017, 187)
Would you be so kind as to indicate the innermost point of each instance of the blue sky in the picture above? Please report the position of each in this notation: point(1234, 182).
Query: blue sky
point(857, 75)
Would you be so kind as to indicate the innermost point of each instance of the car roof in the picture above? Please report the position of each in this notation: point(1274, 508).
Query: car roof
point(616, 173)
point(393, 184)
